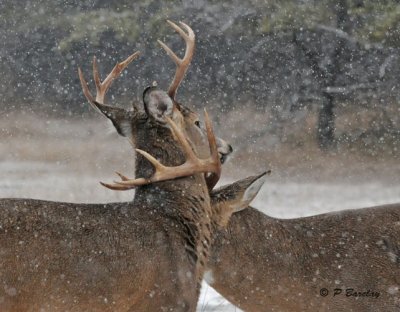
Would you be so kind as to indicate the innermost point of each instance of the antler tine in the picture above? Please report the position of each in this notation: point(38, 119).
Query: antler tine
point(116, 187)
point(119, 186)
point(102, 87)
point(154, 162)
point(187, 150)
point(182, 64)
point(96, 78)
point(213, 178)
point(192, 164)
point(86, 90)
point(123, 178)
point(211, 136)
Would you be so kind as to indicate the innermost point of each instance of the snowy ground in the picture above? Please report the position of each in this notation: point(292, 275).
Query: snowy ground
point(64, 161)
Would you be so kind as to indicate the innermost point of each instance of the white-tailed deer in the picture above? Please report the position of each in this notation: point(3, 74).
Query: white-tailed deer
point(341, 261)
point(148, 255)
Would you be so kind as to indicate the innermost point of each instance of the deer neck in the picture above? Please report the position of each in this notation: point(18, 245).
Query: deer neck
point(187, 196)
point(249, 252)
point(186, 203)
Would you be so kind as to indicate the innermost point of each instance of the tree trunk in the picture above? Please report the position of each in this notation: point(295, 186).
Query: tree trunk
point(326, 123)
point(326, 115)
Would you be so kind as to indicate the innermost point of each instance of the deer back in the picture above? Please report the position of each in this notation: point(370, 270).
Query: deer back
point(342, 261)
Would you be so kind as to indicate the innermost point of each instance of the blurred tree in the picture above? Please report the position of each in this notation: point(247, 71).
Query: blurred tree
point(332, 62)
point(328, 75)
point(283, 56)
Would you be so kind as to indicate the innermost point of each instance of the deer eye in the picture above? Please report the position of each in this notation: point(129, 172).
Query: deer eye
point(197, 123)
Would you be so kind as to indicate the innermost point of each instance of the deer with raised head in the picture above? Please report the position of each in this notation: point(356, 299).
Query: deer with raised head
point(147, 255)
point(340, 261)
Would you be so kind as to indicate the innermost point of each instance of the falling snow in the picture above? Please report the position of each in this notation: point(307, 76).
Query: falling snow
point(309, 89)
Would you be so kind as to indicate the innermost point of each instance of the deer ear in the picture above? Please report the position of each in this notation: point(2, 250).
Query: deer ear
point(238, 195)
point(121, 119)
point(234, 197)
point(250, 192)
point(157, 104)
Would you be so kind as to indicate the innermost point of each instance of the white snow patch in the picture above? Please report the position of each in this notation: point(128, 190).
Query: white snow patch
point(208, 277)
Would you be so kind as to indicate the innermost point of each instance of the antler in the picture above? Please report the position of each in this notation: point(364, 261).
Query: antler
point(192, 164)
point(182, 64)
point(102, 87)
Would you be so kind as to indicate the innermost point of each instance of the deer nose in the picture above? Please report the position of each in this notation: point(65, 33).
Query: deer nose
point(224, 151)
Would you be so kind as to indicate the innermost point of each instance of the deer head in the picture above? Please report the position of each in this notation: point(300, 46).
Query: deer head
point(149, 129)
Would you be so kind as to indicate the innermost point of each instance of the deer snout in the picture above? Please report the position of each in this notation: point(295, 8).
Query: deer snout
point(224, 149)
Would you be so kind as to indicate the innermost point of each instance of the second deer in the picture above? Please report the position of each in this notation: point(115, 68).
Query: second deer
point(341, 261)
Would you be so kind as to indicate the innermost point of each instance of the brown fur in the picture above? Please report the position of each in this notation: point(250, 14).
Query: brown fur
point(112, 257)
point(265, 264)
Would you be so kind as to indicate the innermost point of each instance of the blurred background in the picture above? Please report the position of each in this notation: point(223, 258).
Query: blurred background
point(298, 73)
point(307, 88)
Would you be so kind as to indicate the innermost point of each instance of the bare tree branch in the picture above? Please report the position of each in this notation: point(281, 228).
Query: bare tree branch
point(345, 36)
point(344, 90)
point(386, 62)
